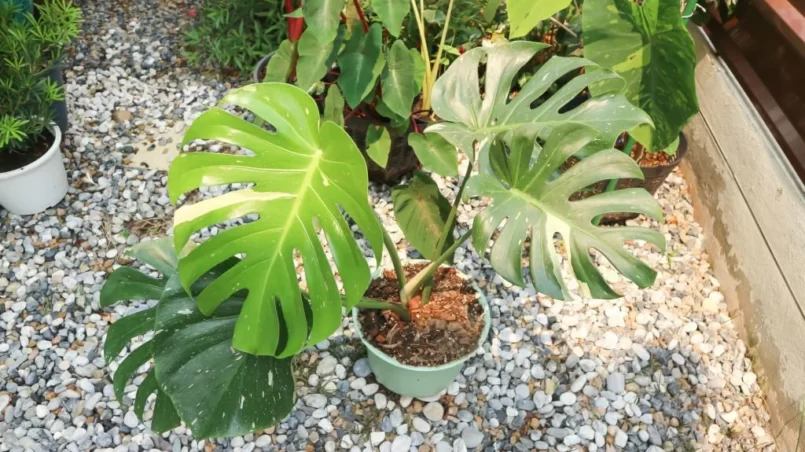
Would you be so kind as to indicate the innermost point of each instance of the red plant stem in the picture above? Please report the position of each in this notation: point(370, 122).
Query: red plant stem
point(295, 24)
point(349, 115)
point(358, 8)
point(413, 122)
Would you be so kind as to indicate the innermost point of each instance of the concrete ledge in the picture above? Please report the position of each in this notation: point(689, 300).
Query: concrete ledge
point(752, 209)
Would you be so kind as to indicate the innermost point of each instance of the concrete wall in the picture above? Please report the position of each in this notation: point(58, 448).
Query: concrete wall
point(752, 209)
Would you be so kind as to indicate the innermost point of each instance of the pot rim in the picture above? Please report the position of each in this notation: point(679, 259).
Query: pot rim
point(389, 359)
point(54, 148)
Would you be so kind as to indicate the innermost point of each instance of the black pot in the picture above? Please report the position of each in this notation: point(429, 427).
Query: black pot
point(653, 178)
point(59, 107)
point(402, 159)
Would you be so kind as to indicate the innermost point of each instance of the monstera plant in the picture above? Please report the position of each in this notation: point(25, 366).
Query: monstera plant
point(232, 311)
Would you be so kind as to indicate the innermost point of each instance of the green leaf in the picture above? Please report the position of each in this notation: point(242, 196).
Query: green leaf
point(126, 283)
point(315, 58)
point(651, 48)
point(419, 68)
point(378, 145)
point(147, 387)
point(306, 177)
point(524, 15)
point(399, 82)
point(536, 205)
point(361, 63)
point(421, 211)
point(127, 328)
point(334, 106)
point(491, 9)
point(322, 16)
point(435, 153)
point(392, 13)
point(129, 366)
point(218, 391)
point(165, 415)
point(156, 253)
point(279, 65)
point(471, 119)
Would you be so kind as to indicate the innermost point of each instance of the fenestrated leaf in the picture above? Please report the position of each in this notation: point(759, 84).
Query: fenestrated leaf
point(127, 328)
point(378, 145)
point(392, 13)
point(361, 63)
point(322, 16)
point(304, 174)
point(524, 15)
point(650, 47)
point(279, 65)
point(470, 118)
point(218, 391)
point(435, 153)
point(536, 204)
point(129, 365)
point(421, 211)
point(165, 416)
point(315, 58)
point(147, 387)
point(399, 80)
point(334, 106)
point(126, 283)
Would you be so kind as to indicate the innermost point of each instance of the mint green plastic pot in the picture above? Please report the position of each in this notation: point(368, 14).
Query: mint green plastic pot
point(414, 381)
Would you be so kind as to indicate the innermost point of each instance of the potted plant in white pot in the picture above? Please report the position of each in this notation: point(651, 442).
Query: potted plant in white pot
point(32, 174)
point(232, 312)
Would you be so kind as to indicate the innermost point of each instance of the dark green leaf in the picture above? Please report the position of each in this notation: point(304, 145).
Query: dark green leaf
point(129, 366)
point(315, 58)
point(147, 387)
point(218, 390)
point(399, 82)
point(126, 283)
point(334, 106)
point(378, 144)
point(279, 66)
point(127, 328)
point(322, 16)
point(392, 13)
point(421, 211)
point(535, 204)
point(435, 153)
point(361, 63)
point(651, 48)
point(165, 415)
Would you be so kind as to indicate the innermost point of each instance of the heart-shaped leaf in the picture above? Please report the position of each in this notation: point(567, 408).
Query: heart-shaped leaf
point(650, 47)
point(322, 17)
point(399, 82)
point(392, 13)
point(334, 106)
point(361, 63)
point(435, 153)
point(421, 212)
point(378, 144)
point(315, 58)
point(279, 65)
point(535, 204)
point(306, 177)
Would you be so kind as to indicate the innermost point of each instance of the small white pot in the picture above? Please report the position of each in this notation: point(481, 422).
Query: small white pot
point(37, 186)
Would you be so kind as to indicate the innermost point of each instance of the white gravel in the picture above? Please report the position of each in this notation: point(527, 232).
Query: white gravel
point(660, 369)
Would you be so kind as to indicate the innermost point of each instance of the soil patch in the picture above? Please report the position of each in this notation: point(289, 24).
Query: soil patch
point(39, 146)
point(444, 330)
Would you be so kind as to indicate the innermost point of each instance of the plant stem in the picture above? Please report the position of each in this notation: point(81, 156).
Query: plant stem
point(416, 282)
point(395, 257)
point(447, 230)
point(397, 308)
point(423, 49)
point(564, 27)
point(435, 71)
point(358, 8)
point(627, 149)
point(690, 7)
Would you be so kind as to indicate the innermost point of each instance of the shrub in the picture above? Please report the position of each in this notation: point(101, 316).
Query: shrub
point(29, 47)
point(235, 34)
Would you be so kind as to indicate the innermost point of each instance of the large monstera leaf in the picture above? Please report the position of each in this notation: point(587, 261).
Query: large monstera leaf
point(650, 47)
point(306, 175)
point(535, 204)
point(196, 375)
point(471, 118)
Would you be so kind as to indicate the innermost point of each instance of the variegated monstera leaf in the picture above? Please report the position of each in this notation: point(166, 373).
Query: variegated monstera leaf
point(530, 195)
point(306, 176)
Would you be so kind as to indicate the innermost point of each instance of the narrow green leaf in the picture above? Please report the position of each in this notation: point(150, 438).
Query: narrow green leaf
point(361, 63)
point(334, 106)
point(315, 58)
point(378, 145)
point(126, 283)
point(524, 15)
point(279, 66)
point(398, 82)
point(322, 16)
point(435, 153)
point(392, 13)
point(147, 387)
point(129, 366)
point(126, 329)
point(165, 415)
point(421, 212)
